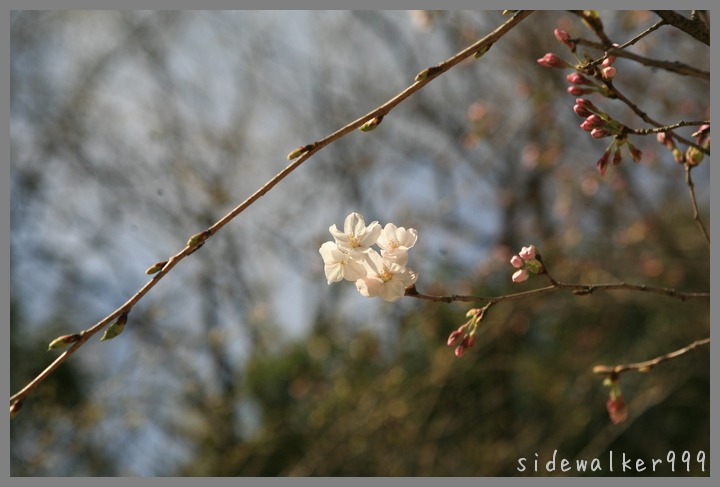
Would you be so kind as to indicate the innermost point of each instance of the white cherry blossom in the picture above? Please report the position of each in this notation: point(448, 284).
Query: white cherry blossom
point(384, 278)
point(339, 265)
point(356, 237)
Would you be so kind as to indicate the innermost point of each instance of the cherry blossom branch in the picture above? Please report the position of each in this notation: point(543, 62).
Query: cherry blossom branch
point(577, 289)
point(665, 128)
point(300, 155)
point(614, 371)
point(595, 23)
point(615, 93)
point(672, 66)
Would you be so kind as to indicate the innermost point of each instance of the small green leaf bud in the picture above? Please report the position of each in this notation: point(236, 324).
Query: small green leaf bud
point(371, 124)
point(116, 328)
point(298, 152)
point(63, 341)
point(156, 267)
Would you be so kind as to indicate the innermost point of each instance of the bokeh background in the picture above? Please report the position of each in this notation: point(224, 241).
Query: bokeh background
point(132, 131)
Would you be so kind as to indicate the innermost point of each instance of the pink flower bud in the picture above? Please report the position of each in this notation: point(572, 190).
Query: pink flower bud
point(617, 158)
point(617, 409)
point(520, 275)
point(702, 133)
point(459, 351)
point(665, 138)
point(587, 126)
point(578, 79)
point(517, 262)
point(602, 163)
point(564, 37)
point(528, 252)
point(609, 72)
point(635, 153)
point(454, 337)
point(575, 90)
point(599, 133)
point(581, 111)
point(551, 60)
point(586, 104)
point(608, 61)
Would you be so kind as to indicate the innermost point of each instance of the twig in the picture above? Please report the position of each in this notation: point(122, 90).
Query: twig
point(577, 289)
point(615, 370)
point(197, 240)
point(666, 128)
point(696, 212)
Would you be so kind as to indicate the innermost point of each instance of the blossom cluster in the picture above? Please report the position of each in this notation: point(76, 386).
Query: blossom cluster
point(464, 337)
point(598, 123)
point(351, 257)
point(526, 262)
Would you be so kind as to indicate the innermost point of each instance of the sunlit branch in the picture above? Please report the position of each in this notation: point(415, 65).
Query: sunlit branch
point(615, 370)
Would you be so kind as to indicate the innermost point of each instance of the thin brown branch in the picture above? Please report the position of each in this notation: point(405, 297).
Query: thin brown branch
point(665, 128)
point(197, 240)
point(615, 370)
point(693, 199)
point(577, 289)
point(617, 94)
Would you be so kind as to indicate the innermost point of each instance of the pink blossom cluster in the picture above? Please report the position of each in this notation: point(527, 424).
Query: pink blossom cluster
point(526, 262)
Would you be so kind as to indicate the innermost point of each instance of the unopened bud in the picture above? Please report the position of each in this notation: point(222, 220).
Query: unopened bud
point(551, 60)
point(454, 338)
point(609, 72)
point(581, 111)
point(156, 267)
point(63, 341)
point(426, 72)
point(198, 238)
point(635, 153)
point(587, 104)
point(116, 328)
point(702, 133)
point(578, 79)
point(528, 252)
point(617, 409)
point(599, 133)
point(371, 124)
point(481, 52)
point(678, 155)
point(617, 158)
point(520, 275)
point(607, 62)
point(576, 90)
point(517, 261)
point(694, 156)
point(602, 163)
point(564, 37)
point(298, 152)
point(593, 122)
